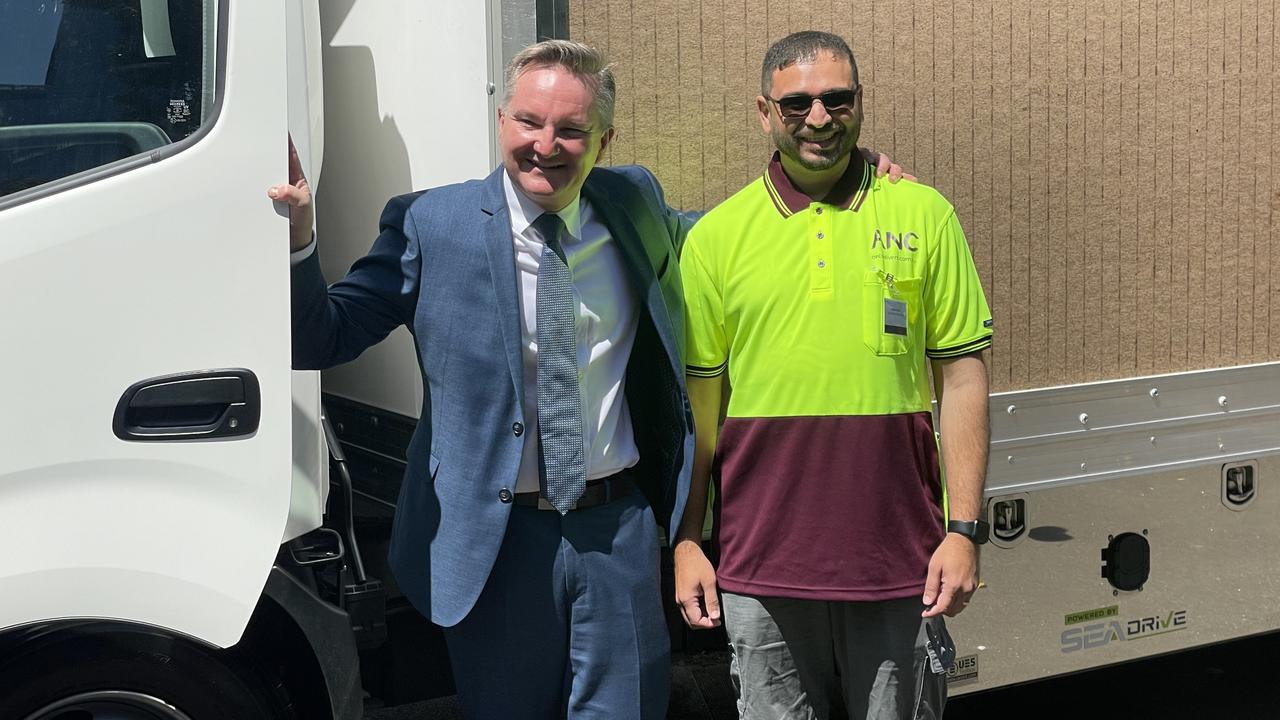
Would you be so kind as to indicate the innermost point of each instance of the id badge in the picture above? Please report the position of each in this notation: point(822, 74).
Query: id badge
point(895, 317)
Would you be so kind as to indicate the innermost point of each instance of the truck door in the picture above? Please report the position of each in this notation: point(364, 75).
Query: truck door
point(144, 312)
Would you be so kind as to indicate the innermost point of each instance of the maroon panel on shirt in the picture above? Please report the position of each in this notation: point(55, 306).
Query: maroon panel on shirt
point(827, 508)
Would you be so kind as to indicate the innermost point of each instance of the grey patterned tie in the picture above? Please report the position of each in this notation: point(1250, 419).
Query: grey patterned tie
point(563, 457)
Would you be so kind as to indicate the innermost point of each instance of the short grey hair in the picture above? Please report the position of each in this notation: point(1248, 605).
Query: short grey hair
point(584, 61)
point(802, 46)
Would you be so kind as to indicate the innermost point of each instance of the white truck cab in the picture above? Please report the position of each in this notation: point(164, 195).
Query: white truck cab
point(161, 456)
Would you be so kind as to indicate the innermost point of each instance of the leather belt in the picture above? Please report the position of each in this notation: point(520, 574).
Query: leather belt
point(598, 492)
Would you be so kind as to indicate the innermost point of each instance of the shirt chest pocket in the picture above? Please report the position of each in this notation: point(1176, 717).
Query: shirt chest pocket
point(890, 312)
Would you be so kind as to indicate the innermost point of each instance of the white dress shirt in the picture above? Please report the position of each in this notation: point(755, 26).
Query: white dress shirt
point(606, 325)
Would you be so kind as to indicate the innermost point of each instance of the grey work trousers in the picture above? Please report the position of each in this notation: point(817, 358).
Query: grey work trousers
point(800, 659)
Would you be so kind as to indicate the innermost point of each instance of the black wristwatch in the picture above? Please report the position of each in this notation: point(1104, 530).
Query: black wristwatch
point(976, 530)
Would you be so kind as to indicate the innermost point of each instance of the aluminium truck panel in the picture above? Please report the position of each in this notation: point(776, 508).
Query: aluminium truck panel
point(1082, 479)
point(1046, 609)
point(1095, 431)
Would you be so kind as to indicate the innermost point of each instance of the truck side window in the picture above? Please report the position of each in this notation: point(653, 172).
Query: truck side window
point(84, 83)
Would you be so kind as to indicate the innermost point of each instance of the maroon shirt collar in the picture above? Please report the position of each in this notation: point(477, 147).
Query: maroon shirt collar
point(848, 193)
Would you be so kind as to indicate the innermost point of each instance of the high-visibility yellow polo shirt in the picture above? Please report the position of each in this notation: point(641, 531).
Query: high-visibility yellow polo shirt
point(823, 313)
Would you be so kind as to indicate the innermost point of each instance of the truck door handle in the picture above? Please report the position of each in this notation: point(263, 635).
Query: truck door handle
point(200, 405)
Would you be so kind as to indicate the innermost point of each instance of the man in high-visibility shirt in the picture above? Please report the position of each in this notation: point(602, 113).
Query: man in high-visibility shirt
point(818, 296)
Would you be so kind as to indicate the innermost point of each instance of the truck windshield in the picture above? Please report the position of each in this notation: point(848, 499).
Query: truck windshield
point(84, 83)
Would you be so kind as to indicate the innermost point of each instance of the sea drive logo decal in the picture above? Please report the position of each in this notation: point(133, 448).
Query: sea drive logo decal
point(1081, 634)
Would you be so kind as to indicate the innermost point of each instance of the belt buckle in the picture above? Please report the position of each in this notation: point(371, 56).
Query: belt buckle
point(544, 504)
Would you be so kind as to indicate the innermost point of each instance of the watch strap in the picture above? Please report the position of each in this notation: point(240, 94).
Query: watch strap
point(976, 530)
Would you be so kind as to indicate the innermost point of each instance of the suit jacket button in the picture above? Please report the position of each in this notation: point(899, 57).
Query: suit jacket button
point(518, 429)
point(505, 495)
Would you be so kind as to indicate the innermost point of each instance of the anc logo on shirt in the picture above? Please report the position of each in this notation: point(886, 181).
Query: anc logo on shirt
point(900, 241)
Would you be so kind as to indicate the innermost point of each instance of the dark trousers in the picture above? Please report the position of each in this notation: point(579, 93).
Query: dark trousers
point(570, 622)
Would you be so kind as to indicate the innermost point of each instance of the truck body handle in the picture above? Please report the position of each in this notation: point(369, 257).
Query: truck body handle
point(198, 405)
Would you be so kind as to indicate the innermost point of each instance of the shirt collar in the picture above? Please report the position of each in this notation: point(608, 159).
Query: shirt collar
point(848, 193)
point(524, 210)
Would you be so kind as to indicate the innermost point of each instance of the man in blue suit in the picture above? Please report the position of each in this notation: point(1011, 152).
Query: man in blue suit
point(546, 307)
point(550, 431)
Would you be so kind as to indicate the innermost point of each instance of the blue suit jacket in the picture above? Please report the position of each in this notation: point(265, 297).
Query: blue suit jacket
point(444, 266)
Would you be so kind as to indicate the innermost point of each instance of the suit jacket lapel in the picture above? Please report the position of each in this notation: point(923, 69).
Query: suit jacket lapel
point(498, 245)
point(626, 232)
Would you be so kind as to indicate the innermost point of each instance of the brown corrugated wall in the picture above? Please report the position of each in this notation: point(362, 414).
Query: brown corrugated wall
point(1113, 163)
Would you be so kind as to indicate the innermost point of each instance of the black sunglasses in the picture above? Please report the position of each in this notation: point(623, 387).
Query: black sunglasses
point(799, 105)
